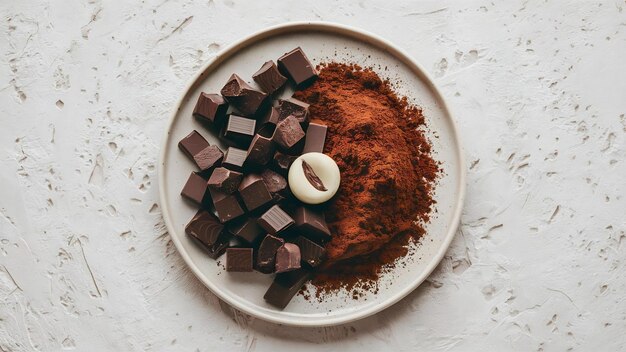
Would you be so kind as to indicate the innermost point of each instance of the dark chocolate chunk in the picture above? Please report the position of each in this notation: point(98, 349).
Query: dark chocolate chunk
point(297, 66)
point(234, 159)
point(192, 144)
point(247, 229)
point(288, 133)
point(267, 124)
point(287, 258)
point(253, 192)
point(266, 258)
point(276, 184)
point(225, 180)
point(208, 157)
point(243, 97)
point(260, 152)
point(275, 220)
point(226, 206)
point(312, 223)
point(312, 177)
point(239, 259)
point(269, 78)
point(282, 162)
point(293, 107)
point(310, 252)
point(285, 286)
point(211, 108)
point(206, 229)
point(239, 130)
point(315, 138)
point(195, 189)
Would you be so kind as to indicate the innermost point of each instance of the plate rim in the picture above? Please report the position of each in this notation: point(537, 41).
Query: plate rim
point(382, 44)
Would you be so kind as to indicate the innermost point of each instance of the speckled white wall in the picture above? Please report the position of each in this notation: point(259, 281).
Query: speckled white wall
point(538, 88)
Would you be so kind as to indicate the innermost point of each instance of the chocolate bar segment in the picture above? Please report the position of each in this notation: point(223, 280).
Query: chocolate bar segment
point(288, 133)
point(239, 259)
point(206, 229)
point(234, 159)
point(260, 152)
point(208, 158)
point(211, 108)
point(310, 252)
point(247, 229)
point(276, 184)
point(267, 124)
point(243, 97)
point(315, 138)
point(275, 220)
point(269, 78)
point(226, 206)
point(225, 180)
point(192, 144)
point(285, 286)
point(293, 107)
point(253, 192)
point(195, 189)
point(266, 258)
point(297, 66)
point(239, 130)
point(282, 162)
point(287, 258)
point(312, 224)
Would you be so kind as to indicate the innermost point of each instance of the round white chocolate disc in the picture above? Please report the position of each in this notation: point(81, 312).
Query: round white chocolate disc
point(314, 178)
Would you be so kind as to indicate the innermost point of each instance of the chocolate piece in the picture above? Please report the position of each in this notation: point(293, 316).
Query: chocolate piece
point(269, 78)
point(287, 258)
point(253, 192)
point(224, 180)
point(243, 97)
point(315, 138)
point(313, 179)
point(310, 252)
point(195, 189)
point(234, 159)
point(266, 258)
point(312, 223)
point(239, 130)
point(247, 229)
point(239, 259)
point(297, 66)
point(260, 152)
point(283, 161)
point(267, 124)
point(294, 107)
point(206, 229)
point(208, 157)
point(285, 286)
point(192, 144)
point(288, 133)
point(211, 108)
point(275, 220)
point(276, 185)
point(226, 206)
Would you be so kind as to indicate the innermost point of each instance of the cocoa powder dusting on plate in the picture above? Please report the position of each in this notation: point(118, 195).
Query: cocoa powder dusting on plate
point(388, 175)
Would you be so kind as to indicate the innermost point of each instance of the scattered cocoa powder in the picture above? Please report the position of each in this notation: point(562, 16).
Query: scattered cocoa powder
point(388, 175)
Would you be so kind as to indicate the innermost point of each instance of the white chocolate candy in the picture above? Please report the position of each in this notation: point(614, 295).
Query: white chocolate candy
point(326, 170)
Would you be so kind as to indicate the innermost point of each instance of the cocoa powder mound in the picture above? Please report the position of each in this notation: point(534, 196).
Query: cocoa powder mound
point(387, 174)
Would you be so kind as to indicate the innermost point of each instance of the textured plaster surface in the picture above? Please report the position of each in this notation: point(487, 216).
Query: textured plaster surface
point(539, 93)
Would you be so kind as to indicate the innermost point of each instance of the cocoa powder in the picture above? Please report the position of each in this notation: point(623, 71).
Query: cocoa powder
point(388, 174)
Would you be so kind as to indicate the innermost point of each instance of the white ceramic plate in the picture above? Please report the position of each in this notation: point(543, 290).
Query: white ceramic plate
point(321, 42)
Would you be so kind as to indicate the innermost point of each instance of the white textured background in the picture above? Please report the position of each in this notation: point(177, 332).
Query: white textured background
point(539, 92)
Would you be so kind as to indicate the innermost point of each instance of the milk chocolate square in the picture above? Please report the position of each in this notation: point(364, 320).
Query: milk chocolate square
point(297, 66)
point(211, 108)
point(269, 78)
